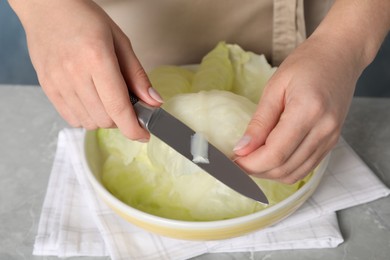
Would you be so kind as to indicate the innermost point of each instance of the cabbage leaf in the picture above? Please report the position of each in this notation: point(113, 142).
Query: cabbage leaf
point(171, 80)
point(215, 71)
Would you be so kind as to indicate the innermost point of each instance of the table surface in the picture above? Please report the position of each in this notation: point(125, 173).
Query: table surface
point(28, 136)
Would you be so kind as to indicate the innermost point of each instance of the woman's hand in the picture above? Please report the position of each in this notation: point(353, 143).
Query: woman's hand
point(85, 64)
point(304, 105)
point(300, 115)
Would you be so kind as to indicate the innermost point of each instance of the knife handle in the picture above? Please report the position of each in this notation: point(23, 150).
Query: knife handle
point(144, 111)
point(133, 98)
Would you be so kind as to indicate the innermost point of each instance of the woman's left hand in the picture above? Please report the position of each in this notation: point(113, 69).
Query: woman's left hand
point(301, 113)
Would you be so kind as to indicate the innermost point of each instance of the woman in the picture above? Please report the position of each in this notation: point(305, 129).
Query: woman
point(85, 63)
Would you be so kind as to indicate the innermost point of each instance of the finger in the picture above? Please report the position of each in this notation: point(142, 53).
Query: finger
point(291, 129)
point(132, 70)
point(67, 86)
point(312, 147)
point(311, 160)
point(316, 144)
point(60, 90)
point(263, 121)
point(76, 106)
point(49, 85)
point(113, 93)
point(310, 164)
point(93, 104)
point(78, 73)
point(300, 155)
point(307, 167)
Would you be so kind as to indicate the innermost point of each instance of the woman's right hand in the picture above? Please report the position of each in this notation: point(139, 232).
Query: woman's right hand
point(85, 64)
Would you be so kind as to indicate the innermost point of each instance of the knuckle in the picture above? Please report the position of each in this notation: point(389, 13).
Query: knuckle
point(124, 40)
point(290, 180)
point(332, 124)
point(86, 121)
point(106, 123)
point(94, 53)
point(140, 74)
point(47, 79)
point(279, 173)
point(257, 121)
point(74, 123)
point(334, 139)
point(116, 109)
point(299, 173)
point(51, 92)
point(89, 125)
point(330, 128)
point(133, 134)
point(277, 158)
point(69, 66)
point(313, 106)
point(316, 108)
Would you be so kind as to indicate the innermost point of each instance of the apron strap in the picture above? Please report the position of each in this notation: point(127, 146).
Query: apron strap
point(288, 28)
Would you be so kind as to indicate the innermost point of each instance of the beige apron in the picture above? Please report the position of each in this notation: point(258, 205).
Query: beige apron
point(178, 32)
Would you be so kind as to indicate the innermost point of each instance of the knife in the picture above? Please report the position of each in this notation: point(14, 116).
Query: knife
point(178, 136)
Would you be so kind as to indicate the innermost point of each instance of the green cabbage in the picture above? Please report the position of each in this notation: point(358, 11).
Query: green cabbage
point(227, 67)
point(251, 72)
point(215, 72)
point(156, 179)
point(171, 80)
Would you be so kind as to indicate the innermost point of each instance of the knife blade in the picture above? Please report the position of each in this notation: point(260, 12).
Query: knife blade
point(178, 136)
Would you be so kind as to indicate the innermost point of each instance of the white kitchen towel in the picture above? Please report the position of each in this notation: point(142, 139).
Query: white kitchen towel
point(74, 222)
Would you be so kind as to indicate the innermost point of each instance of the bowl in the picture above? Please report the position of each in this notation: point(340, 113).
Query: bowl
point(195, 230)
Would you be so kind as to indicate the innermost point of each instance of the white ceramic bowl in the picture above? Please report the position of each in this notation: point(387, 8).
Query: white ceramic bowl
point(195, 230)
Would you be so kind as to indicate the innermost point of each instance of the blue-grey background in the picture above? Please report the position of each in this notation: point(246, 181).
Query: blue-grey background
point(16, 68)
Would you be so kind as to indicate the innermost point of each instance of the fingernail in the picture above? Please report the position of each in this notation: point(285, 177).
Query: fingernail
point(244, 141)
point(235, 158)
point(154, 94)
point(143, 140)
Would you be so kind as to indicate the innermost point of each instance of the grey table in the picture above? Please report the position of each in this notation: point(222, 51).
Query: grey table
point(28, 134)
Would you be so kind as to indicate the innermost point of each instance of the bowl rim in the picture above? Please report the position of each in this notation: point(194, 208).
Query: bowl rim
point(212, 224)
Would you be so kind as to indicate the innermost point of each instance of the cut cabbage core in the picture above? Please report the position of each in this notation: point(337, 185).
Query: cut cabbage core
point(199, 148)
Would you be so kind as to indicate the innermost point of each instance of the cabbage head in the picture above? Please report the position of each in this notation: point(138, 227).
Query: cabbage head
point(216, 98)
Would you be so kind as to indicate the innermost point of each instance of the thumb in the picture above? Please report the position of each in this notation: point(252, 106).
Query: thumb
point(263, 121)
